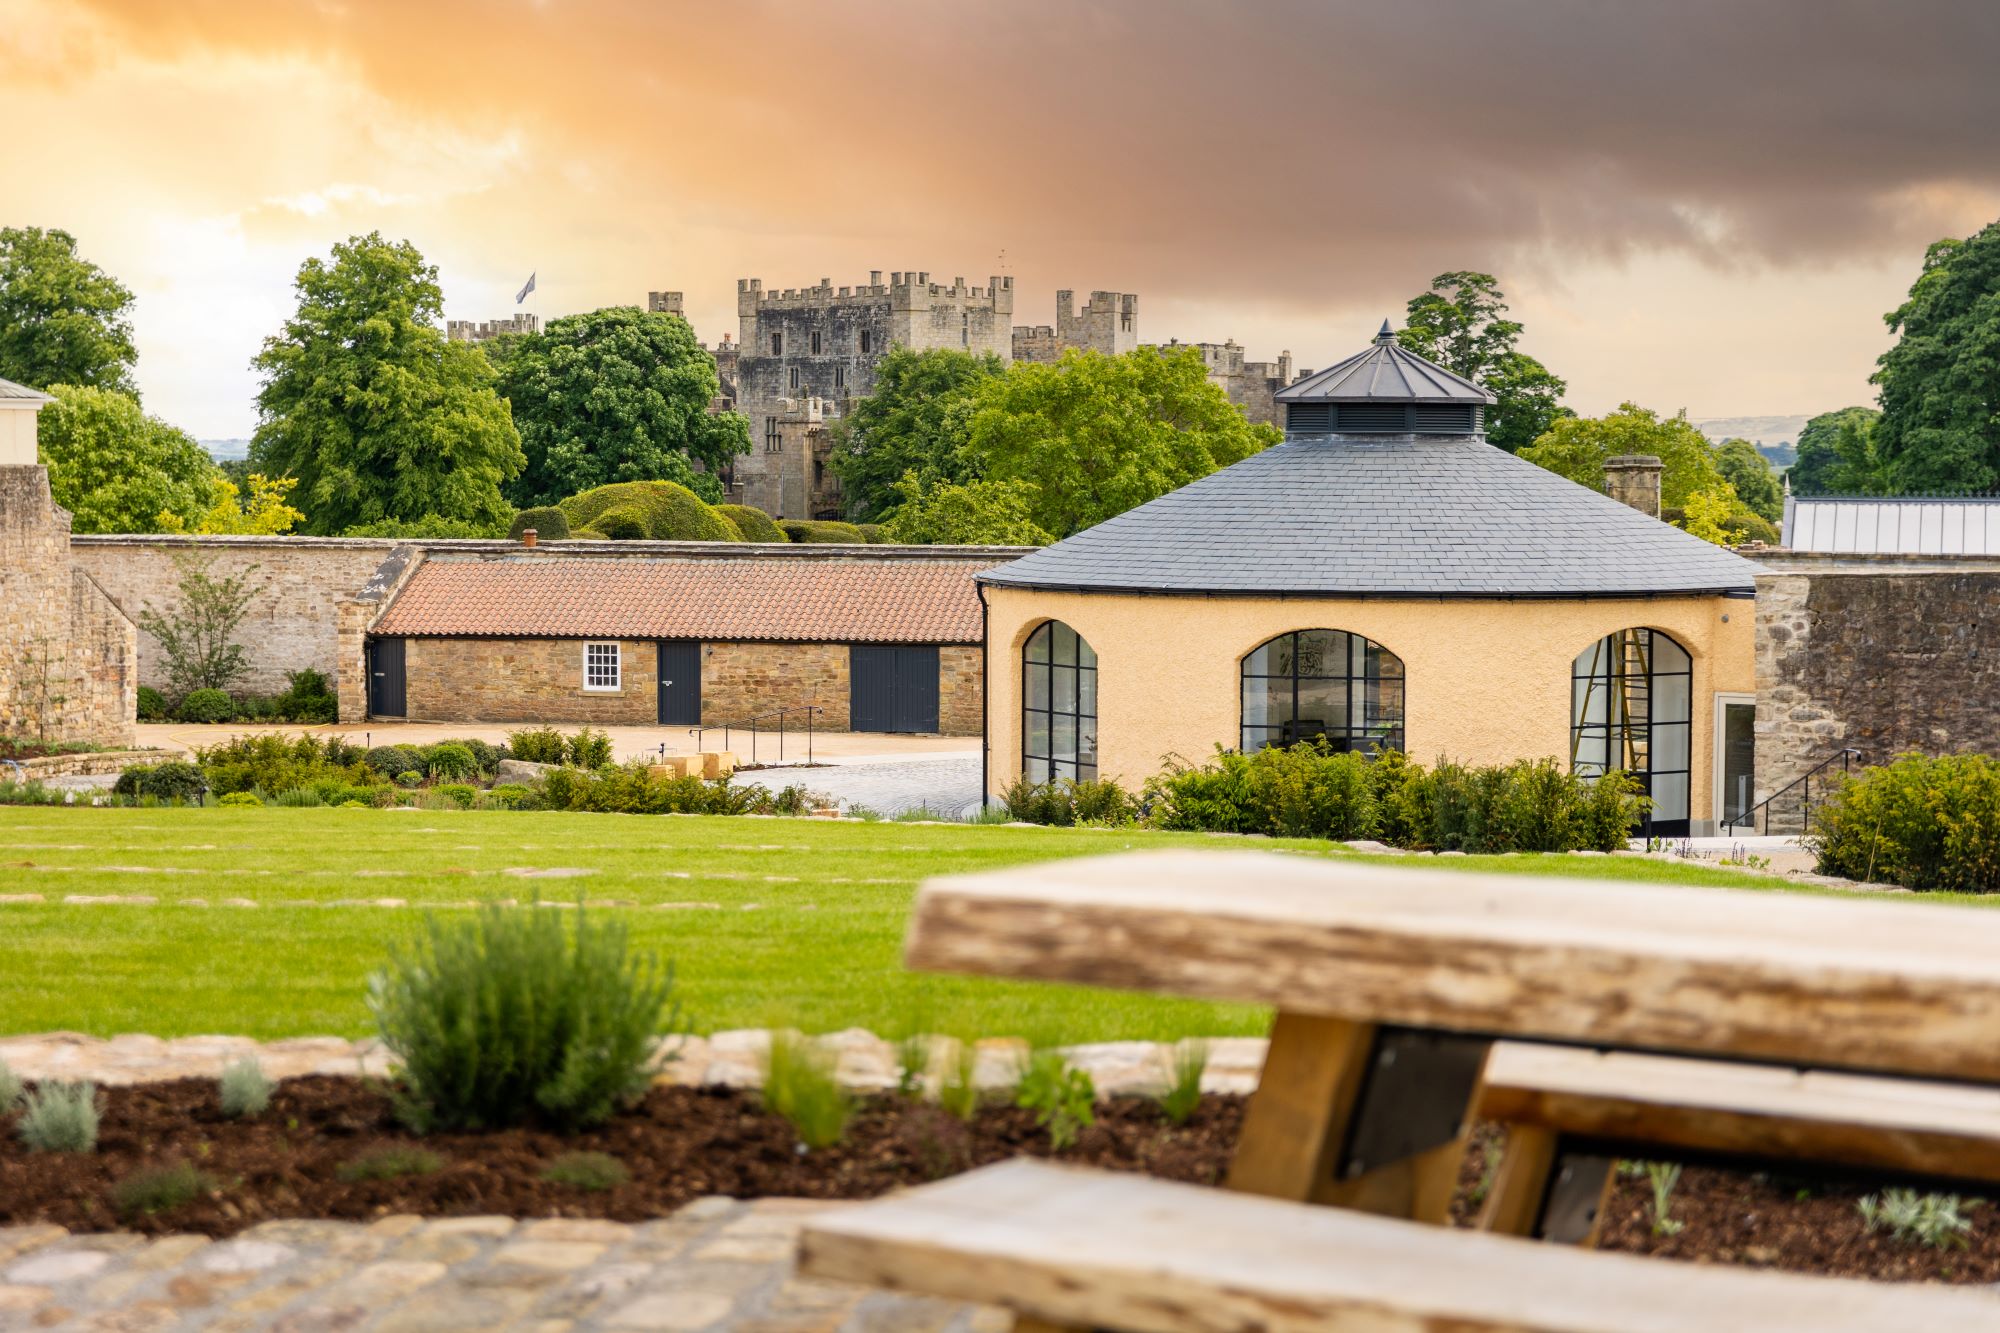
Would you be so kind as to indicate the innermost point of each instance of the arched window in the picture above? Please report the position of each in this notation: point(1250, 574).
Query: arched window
point(1323, 682)
point(1058, 705)
point(1631, 696)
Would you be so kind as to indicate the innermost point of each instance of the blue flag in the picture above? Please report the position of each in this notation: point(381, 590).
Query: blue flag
point(525, 290)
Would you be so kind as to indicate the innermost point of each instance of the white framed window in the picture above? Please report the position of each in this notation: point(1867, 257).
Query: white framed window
point(600, 667)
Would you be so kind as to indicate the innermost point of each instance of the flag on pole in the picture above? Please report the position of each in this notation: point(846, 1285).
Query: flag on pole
point(525, 290)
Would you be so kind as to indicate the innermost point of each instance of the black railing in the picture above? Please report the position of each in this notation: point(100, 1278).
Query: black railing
point(1803, 784)
point(759, 725)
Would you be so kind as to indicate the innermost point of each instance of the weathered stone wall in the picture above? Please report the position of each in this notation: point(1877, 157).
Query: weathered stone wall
point(743, 680)
point(1883, 653)
point(961, 689)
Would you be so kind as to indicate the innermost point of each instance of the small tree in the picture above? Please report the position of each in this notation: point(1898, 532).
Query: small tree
point(198, 637)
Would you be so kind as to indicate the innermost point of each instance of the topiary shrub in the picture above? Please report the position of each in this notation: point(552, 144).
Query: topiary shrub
point(206, 706)
point(450, 759)
point(152, 705)
point(389, 760)
point(522, 1014)
point(626, 523)
point(667, 512)
point(874, 534)
point(549, 523)
point(587, 535)
point(823, 532)
point(752, 523)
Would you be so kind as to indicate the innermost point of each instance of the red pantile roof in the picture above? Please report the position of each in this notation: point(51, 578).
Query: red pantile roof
point(792, 598)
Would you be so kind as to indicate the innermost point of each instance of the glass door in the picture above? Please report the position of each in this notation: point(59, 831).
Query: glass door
point(1735, 755)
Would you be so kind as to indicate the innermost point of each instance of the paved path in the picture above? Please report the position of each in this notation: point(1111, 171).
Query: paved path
point(947, 784)
point(715, 1264)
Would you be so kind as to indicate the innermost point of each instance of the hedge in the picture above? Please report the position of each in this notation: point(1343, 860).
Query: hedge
point(665, 512)
point(752, 523)
point(1931, 824)
point(824, 532)
point(549, 523)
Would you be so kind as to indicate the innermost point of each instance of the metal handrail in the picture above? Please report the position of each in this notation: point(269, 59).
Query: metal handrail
point(1845, 757)
point(755, 726)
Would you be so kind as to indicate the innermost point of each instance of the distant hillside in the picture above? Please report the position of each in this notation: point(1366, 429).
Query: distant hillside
point(224, 451)
point(1757, 430)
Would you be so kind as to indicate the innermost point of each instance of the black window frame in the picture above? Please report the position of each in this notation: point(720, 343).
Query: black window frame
point(1381, 725)
point(1625, 738)
point(1083, 662)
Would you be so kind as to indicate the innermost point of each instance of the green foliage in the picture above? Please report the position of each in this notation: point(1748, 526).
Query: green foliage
point(117, 469)
point(548, 521)
point(63, 320)
point(240, 800)
point(389, 760)
point(171, 781)
point(631, 789)
point(593, 1171)
point(958, 1085)
point(522, 1013)
point(589, 748)
point(367, 404)
point(152, 705)
point(538, 745)
point(800, 1085)
point(1458, 324)
point(308, 698)
point(1931, 824)
point(394, 1161)
point(244, 1089)
point(1661, 1177)
point(1180, 1096)
point(410, 779)
point(660, 510)
point(10, 1088)
point(616, 395)
point(1837, 455)
point(1063, 1097)
point(1304, 790)
point(450, 760)
point(973, 513)
point(198, 637)
point(158, 1189)
point(752, 524)
point(1578, 447)
point(822, 532)
point(431, 527)
point(1749, 474)
point(1936, 1221)
point(206, 705)
point(462, 794)
point(914, 422)
point(1940, 425)
point(1066, 802)
point(59, 1117)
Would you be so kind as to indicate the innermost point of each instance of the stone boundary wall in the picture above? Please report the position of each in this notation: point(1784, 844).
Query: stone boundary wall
point(86, 765)
point(1885, 653)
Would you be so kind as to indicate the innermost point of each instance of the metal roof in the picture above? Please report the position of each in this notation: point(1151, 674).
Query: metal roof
point(21, 393)
point(1384, 516)
point(1899, 525)
point(1385, 372)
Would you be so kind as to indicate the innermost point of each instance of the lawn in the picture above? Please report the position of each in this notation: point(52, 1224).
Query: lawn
point(769, 921)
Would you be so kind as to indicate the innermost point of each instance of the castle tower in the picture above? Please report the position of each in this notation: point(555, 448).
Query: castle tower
point(1108, 323)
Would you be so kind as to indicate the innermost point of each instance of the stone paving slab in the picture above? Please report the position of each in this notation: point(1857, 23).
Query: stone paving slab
point(715, 1264)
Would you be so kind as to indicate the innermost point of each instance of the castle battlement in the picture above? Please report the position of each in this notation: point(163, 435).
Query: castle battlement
point(905, 289)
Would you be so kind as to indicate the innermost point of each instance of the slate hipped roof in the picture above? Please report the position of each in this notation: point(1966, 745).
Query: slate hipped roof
point(784, 599)
point(1385, 373)
point(12, 392)
point(1422, 516)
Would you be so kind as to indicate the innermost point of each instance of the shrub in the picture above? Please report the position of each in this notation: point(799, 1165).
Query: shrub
point(623, 523)
point(158, 1189)
point(752, 523)
point(198, 638)
point(273, 764)
point(206, 706)
point(1063, 1097)
point(522, 1013)
point(389, 760)
point(409, 779)
point(874, 534)
point(171, 781)
point(450, 759)
point(462, 794)
point(1304, 790)
point(485, 755)
point(390, 1162)
point(589, 748)
point(1931, 824)
point(542, 745)
point(630, 789)
point(241, 800)
point(586, 1171)
point(549, 523)
point(60, 1117)
point(663, 510)
point(508, 796)
point(152, 705)
point(1065, 802)
point(243, 1089)
point(823, 532)
point(10, 1088)
point(1933, 1220)
point(308, 697)
point(800, 1085)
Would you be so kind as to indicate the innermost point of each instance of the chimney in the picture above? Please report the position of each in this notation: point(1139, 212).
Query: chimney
point(527, 536)
point(1634, 479)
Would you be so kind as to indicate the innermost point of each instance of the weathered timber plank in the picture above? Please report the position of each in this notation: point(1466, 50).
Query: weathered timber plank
point(1304, 1102)
point(1899, 987)
point(1755, 1111)
point(1076, 1247)
point(1513, 1204)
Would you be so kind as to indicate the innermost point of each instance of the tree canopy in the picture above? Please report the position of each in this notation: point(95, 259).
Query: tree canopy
point(1749, 474)
point(1578, 447)
point(63, 320)
point(1940, 383)
point(973, 513)
point(1837, 455)
point(615, 395)
point(368, 406)
point(1459, 324)
point(914, 422)
point(115, 468)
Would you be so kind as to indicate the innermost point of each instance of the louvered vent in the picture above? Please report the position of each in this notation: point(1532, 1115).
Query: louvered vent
point(1307, 418)
point(1443, 418)
point(1377, 417)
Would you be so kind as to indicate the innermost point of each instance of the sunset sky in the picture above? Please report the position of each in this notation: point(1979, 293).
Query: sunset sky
point(1692, 203)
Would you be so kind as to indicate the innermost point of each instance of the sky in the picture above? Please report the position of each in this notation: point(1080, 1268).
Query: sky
point(1699, 204)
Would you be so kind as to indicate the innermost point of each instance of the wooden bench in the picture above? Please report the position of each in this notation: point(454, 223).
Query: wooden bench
point(1068, 1247)
point(1569, 1112)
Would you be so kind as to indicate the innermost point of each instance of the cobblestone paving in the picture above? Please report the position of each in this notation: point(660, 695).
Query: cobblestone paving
point(949, 785)
point(715, 1264)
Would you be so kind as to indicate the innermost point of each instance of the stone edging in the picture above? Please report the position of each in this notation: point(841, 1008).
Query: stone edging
point(95, 763)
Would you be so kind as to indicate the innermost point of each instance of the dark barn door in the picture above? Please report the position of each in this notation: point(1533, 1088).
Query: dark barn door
point(386, 692)
point(893, 687)
point(680, 682)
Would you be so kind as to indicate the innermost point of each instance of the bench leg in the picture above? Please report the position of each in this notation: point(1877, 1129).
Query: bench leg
point(1513, 1205)
point(1305, 1098)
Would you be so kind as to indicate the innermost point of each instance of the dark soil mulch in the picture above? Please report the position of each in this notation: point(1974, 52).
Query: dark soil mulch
point(682, 1143)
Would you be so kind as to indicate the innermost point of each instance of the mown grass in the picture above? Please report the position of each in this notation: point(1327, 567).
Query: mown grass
point(799, 923)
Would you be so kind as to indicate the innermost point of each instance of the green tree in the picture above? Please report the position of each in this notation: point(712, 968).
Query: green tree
point(1837, 455)
point(1749, 474)
point(63, 320)
point(370, 408)
point(1096, 435)
point(1690, 482)
point(616, 395)
point(973, 513)
point(1459, 324)
point(115, 468)
point(914, 421)
point(1940, 383)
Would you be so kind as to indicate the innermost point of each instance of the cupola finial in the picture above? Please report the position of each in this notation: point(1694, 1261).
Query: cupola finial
point(1387, 335)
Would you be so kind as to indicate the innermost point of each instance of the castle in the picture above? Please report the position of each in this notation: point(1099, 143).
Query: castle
point(1251, 385)
point(468, 331)
point(1109, 323)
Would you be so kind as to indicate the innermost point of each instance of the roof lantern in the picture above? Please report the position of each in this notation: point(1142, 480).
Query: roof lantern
point(1385, 389)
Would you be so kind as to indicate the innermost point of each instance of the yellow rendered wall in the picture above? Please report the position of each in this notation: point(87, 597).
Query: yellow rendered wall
point(1485, 681)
